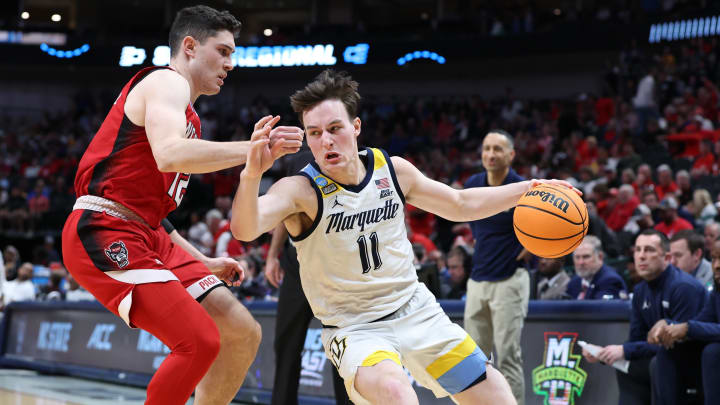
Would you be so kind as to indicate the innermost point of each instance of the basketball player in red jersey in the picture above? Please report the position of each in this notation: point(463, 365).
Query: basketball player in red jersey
point(132, 175)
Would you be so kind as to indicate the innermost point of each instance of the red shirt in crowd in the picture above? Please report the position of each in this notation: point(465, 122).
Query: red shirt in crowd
point(604, 110)
point(662, 191)
point(671, 229)
point(621, 213)
point(706, 161)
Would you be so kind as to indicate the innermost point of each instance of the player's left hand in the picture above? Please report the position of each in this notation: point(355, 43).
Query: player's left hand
point(285, 140)
point(553, 182)
point(226, 269)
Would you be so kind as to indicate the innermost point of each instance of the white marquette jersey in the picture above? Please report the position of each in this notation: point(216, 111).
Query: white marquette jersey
point(356, 262)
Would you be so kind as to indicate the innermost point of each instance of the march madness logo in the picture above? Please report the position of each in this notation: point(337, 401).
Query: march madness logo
point(561, 377)
point(118, 253)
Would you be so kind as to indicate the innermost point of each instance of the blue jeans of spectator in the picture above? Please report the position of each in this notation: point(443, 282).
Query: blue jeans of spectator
point(711, 373)
point(678, 374)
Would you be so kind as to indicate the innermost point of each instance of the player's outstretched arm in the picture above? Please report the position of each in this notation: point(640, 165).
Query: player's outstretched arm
point(459, 205)
point(165, 96)
point(253, 215)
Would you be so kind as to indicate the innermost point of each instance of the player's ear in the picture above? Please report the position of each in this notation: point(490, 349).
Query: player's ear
point(357, 124)
point(188, 45)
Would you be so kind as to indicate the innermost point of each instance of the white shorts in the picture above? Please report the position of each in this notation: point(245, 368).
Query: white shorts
point(439, 354)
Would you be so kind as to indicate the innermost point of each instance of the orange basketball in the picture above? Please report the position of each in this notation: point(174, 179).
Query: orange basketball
point(550, 221)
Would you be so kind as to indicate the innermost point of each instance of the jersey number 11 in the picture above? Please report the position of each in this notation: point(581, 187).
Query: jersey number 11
point(365, 257)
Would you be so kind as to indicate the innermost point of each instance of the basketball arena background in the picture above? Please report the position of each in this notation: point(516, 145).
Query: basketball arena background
point(435, 75)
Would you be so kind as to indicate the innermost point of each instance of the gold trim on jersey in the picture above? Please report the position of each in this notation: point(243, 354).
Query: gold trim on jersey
point(379, 356)
point(379, 158)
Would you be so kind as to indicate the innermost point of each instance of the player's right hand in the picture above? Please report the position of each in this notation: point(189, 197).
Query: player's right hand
point(259, 158)
point(273, 272)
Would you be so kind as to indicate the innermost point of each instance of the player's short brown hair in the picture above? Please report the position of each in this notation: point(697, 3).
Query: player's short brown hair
point(201, 23)
point(328, 85)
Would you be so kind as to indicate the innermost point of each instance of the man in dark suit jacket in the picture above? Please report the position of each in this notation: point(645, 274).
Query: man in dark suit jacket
point(665, 293)
point(594, 280)
point(552, 280)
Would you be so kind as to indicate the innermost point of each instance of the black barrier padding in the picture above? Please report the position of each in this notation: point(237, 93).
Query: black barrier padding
point(83, 339)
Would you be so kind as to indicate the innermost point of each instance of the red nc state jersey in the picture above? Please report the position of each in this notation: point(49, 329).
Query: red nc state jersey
point(119, 164)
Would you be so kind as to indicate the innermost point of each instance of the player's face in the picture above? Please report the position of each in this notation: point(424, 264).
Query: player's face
point(212, 62)
point(681, 257)
point(332, 136)
point(496, 152)
point(587, 262)
point(650, 259)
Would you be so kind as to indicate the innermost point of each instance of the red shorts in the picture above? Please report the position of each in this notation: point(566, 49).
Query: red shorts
point(108, 256)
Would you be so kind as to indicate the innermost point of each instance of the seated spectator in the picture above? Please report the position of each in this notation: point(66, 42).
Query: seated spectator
point(593, 279)
point(623, 209)
point(641, 220)
point(704, 163)
point(458, 264)
point(670, 222)
point(666, 187)
point(665, 292)
point(704, 327)
point(22, 288)
point(685, 189)
point(643, 180)
point(253, 286)
point(75, 292)
point(649, 198)
point(711, 233)
point(199, 234)
point(46, 253)
point(687, 250)
point(552, 280)
point(421, 239)
point(53, 290)
point(701, 207)
point(11, 257)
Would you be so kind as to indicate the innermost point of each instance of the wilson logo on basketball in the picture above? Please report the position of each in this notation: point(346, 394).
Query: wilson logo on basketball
point(557, 202)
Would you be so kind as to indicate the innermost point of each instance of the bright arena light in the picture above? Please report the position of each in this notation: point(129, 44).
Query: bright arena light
point(56, 17)
point(25, 15)
point(267, 32)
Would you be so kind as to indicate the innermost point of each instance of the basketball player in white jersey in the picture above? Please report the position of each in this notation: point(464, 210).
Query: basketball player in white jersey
point(344, 213)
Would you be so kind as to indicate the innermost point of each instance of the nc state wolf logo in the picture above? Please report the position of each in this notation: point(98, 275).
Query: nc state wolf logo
point(118, 253)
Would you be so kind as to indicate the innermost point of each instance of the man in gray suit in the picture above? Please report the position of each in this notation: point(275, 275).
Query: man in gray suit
point(552, 279)
point(687, 251)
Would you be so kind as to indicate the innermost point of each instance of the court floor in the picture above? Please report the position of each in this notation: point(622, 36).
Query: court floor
point(23, 387)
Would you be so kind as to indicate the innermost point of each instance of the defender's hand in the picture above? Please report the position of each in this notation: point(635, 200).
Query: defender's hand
point(285, 140)
point(226, 269)
point(259, 157)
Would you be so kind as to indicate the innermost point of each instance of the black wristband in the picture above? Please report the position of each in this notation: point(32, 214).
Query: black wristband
point(169, 228)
